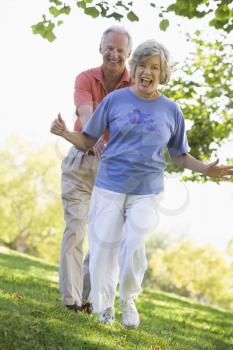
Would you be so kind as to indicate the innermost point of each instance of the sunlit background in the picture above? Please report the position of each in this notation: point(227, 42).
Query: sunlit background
point(37, 80)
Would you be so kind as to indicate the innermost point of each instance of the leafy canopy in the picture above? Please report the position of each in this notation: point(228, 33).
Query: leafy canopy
point(204, 89)
point(218, 12)
point(31, 218)
point(177, 270)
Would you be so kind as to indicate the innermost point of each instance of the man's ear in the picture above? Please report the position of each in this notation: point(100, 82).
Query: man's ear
point(129, 54)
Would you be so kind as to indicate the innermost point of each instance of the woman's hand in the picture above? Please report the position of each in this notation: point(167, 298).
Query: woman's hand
point(98, 148)
point(218, 171)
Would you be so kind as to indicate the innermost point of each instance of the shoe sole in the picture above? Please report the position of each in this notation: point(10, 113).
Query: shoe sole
point(130, 327)
point(107, 323)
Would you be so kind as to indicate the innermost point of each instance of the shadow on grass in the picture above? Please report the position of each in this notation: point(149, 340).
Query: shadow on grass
point(187, 322)
point(32, 317)
point(24, 263)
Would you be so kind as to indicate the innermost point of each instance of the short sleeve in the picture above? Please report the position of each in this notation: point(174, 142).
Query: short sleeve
point(82, 90)
point(98, 123)
point(178, 143)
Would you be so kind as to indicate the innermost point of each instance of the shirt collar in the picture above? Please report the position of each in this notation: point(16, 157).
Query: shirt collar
point(97, 73)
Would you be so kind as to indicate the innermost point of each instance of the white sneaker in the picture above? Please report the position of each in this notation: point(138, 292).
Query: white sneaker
point(107, 316)
point(130, 316)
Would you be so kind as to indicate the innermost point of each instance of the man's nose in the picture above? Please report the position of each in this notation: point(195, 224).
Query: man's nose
point(115, 53)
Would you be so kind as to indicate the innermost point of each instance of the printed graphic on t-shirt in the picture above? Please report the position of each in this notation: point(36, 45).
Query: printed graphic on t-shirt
point(136, 116)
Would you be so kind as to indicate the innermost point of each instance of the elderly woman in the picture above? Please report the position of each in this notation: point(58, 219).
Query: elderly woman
point(141, 123)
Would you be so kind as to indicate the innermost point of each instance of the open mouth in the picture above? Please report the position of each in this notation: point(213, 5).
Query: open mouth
point(145, 82)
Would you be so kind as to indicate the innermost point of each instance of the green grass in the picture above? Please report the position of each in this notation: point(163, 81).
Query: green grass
point(32, 316)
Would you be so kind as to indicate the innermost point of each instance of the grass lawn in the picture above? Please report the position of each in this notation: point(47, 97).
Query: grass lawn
point(32, 316)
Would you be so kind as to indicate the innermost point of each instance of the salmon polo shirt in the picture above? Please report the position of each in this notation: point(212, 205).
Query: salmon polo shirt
point(89, 90)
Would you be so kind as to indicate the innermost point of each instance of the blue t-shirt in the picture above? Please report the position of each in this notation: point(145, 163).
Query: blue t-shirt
point(139, 131)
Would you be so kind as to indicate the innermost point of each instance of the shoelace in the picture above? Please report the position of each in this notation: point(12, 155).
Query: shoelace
point(129, 306)
point(108, 315)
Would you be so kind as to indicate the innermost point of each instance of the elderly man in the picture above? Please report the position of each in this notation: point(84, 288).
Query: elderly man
point(79, 169)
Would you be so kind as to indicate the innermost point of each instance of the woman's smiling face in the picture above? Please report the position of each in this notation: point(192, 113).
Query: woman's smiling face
point(147, 77)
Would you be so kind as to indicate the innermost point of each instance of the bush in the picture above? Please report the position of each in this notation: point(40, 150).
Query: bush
point(196, 271)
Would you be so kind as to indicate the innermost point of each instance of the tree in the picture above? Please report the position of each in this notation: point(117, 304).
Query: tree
point(31, 218)
point(219, 12)
point(204, 90)
point(195, 271)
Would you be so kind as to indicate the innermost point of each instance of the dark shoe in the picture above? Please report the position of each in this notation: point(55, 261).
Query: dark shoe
point(87, 308)
point(74, 308)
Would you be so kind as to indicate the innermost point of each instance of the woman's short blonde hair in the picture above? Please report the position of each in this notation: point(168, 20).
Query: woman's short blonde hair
point(151, 48)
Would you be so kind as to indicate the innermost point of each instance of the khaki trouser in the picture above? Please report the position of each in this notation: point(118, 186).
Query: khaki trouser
point(78, 176)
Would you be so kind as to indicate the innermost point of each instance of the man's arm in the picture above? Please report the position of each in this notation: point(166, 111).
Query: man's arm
point(85, 112)
point(81, 140)
point(211, 169)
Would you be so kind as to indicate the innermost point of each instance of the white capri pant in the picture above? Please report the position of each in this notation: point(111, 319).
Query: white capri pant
point(118, 227)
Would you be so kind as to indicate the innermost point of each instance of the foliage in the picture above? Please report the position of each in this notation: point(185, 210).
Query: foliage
point(200, 272)
point(219, 12)
point(204, 91)
point(30, 206)
point(32, 317)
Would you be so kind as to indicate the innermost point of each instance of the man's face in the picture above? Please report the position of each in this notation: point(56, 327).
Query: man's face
point(115, 51)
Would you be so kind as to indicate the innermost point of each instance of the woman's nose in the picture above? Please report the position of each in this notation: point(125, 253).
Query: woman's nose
point(147, 69)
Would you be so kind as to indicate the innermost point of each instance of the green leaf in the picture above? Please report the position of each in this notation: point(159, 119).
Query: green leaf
point(38, 28)
point(50, 36)
point(103, 12)
point(66, 10)
point(120, 3)
point(164, 24)
point(222, 13)
point(59, 23)
point(171, 8)
point(54, 11)
point(81, 4)
point(217, 24)
point(57, 12)
point(115, 15)
point(56, 2)
point(91, 11)
point(46, 31)
point(132, 17)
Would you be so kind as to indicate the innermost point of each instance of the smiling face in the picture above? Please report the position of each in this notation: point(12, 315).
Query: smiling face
point(147, 77)
point(114, 50)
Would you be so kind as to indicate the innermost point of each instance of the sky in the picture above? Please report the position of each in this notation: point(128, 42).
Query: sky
point(37, 79)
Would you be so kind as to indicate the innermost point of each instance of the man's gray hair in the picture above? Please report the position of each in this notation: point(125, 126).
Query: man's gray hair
point(117, 29)
point(151, 48)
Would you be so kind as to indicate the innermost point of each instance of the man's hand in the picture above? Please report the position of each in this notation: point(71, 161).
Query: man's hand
point(218, 171)
point(98, 148)
point(58, 126)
